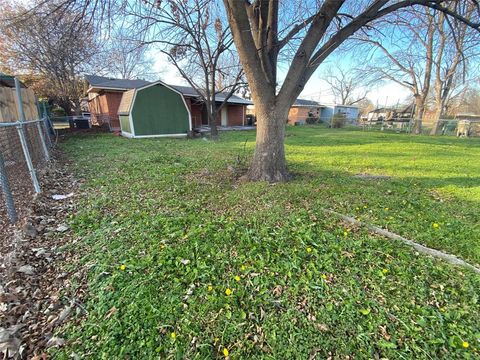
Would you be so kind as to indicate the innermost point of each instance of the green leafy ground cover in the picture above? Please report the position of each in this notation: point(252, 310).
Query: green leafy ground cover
point(187, 262)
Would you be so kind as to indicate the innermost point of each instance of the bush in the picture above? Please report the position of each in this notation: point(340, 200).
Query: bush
point(338, 121)
point(312, 120)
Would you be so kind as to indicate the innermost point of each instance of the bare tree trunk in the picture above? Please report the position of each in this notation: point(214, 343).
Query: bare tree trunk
point(213, 126)
point(436, 119)
point(419, 110)
point(269, 163)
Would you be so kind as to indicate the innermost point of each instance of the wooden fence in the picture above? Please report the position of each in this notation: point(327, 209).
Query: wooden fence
point(9, 107)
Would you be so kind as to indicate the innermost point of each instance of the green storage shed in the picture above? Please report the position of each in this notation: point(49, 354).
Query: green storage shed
point(154, 110)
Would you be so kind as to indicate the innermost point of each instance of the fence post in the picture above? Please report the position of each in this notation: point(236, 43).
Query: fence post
point(42, 140)
point(40, 132)
point(23, 140)
point(7, 193)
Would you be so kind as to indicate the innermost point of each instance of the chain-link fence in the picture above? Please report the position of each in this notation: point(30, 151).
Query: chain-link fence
point(24, 150)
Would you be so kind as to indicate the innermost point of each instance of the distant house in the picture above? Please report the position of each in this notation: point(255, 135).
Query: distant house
point(380, 114)
point(303, 109)
point(403, 114)
point(349, 111)
point(105, 95)
point(407, 112)
point(233, 113)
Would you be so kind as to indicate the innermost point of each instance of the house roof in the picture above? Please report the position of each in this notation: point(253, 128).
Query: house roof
point(381, 110)
point(191, 92)
point(407, 109)
point(102, 82)
point(306, 103)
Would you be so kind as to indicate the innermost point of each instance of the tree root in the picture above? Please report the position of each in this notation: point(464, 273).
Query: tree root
point(451, 259)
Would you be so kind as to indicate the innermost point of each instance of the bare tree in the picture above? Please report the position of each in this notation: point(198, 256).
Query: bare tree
point(194, 37)
point(265, 32)
point(424, 55)
point(365, 106)
point(468, 102)
point(255, 27)
point(349, 87)
point(51, 52)
point(456, 46)
point(126, 57)
point(408, 58)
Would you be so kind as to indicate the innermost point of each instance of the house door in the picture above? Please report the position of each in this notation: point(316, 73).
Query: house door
point(224, 116)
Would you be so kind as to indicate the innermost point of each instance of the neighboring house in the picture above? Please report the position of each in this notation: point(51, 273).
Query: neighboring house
point(156, 109)
point(405, 113)
point(105, 95)
point(380, 114)
point(233, 113)
point(349, 111)
point(303, 109)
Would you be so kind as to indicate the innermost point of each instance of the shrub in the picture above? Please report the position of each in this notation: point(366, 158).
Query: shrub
point(338, 121)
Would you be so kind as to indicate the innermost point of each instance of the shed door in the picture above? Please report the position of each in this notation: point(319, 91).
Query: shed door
point(224, 116)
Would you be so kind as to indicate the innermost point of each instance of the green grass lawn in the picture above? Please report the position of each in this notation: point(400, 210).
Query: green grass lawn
point(187, 262)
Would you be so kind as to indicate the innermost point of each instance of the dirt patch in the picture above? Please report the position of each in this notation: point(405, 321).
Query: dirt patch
point(36, 295)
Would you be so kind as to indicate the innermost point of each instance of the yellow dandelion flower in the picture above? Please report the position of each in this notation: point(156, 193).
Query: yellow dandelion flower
point(309, 249)
point(386, 209)
point(345, 233)
point(228, 292)
point(225, 352)
point(173, 335)
point(324, 277)
point(237, 278)
point(385, 271)
point(365, 206)
point(435, 225)
point(465, 344)
point(210, 287)
point(243, 268)
point(123, 267)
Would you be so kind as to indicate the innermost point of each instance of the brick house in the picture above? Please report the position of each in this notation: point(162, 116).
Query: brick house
point(302, 109)
point(105, 95)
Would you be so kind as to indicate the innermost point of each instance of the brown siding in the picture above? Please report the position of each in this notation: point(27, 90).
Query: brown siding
point(235, 115)
point(297, 114)
point(104, 108)
point(196, 112)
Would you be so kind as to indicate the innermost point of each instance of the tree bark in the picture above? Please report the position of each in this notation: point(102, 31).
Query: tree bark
point(269, 163)
point(213, 127)
point(419, 110)
point(436, 120)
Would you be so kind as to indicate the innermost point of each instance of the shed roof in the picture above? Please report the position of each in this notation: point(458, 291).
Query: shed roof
point(128, 97)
